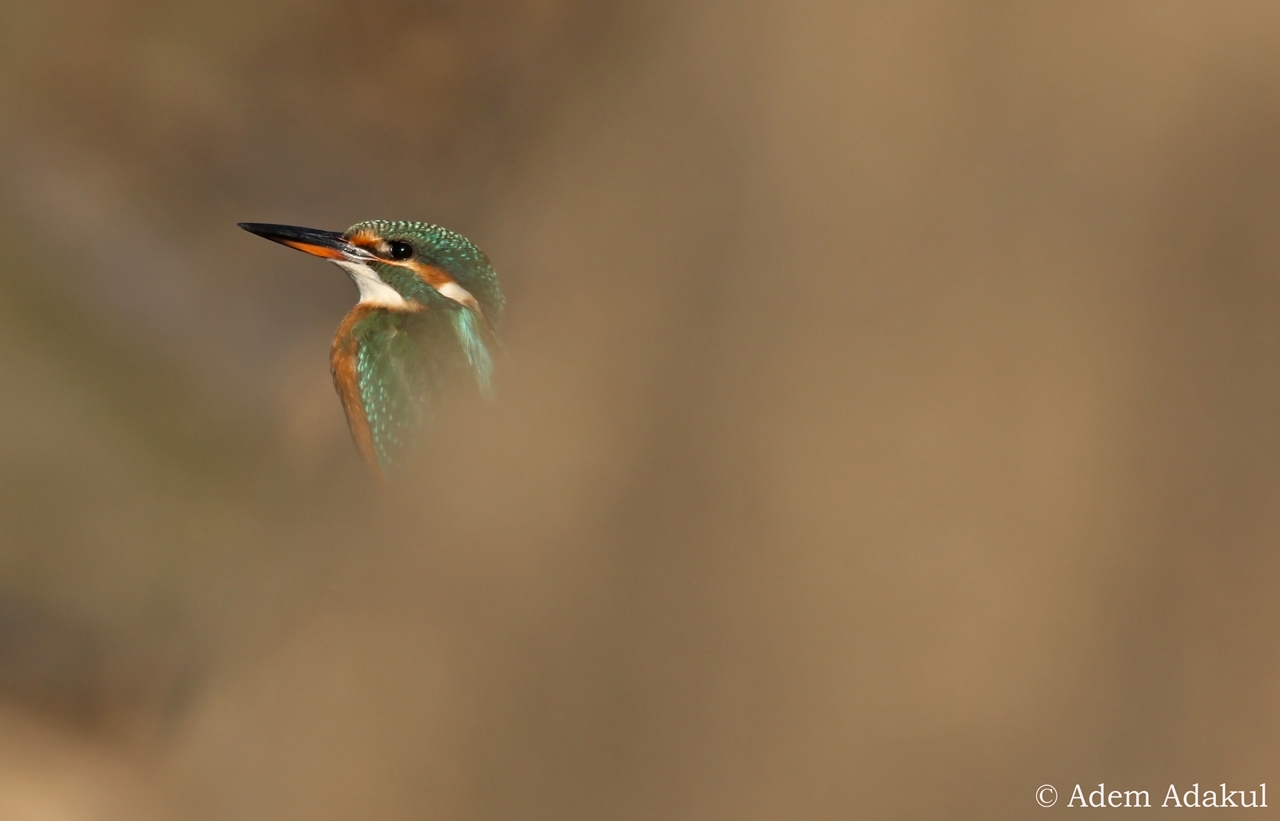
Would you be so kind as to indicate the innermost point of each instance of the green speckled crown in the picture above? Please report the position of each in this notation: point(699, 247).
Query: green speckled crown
point(449, 250)
point(406, 360)
point(426, 321)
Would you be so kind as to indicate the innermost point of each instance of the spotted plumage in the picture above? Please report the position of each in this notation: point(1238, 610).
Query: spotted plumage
point(426, 321)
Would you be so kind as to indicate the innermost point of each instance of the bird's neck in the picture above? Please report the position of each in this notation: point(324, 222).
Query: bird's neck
point(373, 291)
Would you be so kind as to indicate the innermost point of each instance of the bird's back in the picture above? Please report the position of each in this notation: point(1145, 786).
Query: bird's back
point(390, 367)
point(426, 321)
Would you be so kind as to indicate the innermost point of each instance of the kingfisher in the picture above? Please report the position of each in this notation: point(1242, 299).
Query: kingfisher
point(426, 320)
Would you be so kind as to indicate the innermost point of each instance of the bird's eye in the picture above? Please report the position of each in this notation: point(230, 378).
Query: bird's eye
point(399, 250)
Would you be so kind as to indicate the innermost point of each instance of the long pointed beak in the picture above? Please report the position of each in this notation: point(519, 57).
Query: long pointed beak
point(327, 244)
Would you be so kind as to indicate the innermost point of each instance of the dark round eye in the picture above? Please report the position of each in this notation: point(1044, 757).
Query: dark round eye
point(399, 250)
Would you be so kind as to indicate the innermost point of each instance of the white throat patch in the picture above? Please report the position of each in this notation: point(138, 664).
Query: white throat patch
point(373, 291)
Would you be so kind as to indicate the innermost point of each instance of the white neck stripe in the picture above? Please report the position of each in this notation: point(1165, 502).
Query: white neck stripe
point(458, 294)
point(373, 291)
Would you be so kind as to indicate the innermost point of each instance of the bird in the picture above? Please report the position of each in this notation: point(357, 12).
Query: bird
point(426, 322)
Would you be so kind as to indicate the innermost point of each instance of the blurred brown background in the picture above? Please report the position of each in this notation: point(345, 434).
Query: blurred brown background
point(888, 421)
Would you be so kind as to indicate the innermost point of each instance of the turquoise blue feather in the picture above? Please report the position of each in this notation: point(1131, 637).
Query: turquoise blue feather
point(407, 360)
point(446, 249)
point(472, 333)
point(426, 323)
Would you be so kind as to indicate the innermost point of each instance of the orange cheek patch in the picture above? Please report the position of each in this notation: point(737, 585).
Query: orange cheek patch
point(445, 284)
point(430, 274)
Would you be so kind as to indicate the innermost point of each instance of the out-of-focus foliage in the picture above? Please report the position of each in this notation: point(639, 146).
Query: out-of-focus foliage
point(886, 425)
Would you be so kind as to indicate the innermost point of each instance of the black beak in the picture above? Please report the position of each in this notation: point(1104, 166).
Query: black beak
point(327, 244)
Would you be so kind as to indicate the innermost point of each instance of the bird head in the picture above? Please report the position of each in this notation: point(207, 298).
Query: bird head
point(407, 266)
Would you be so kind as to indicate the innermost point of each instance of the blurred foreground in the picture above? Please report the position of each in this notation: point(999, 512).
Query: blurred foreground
point(888, 423)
